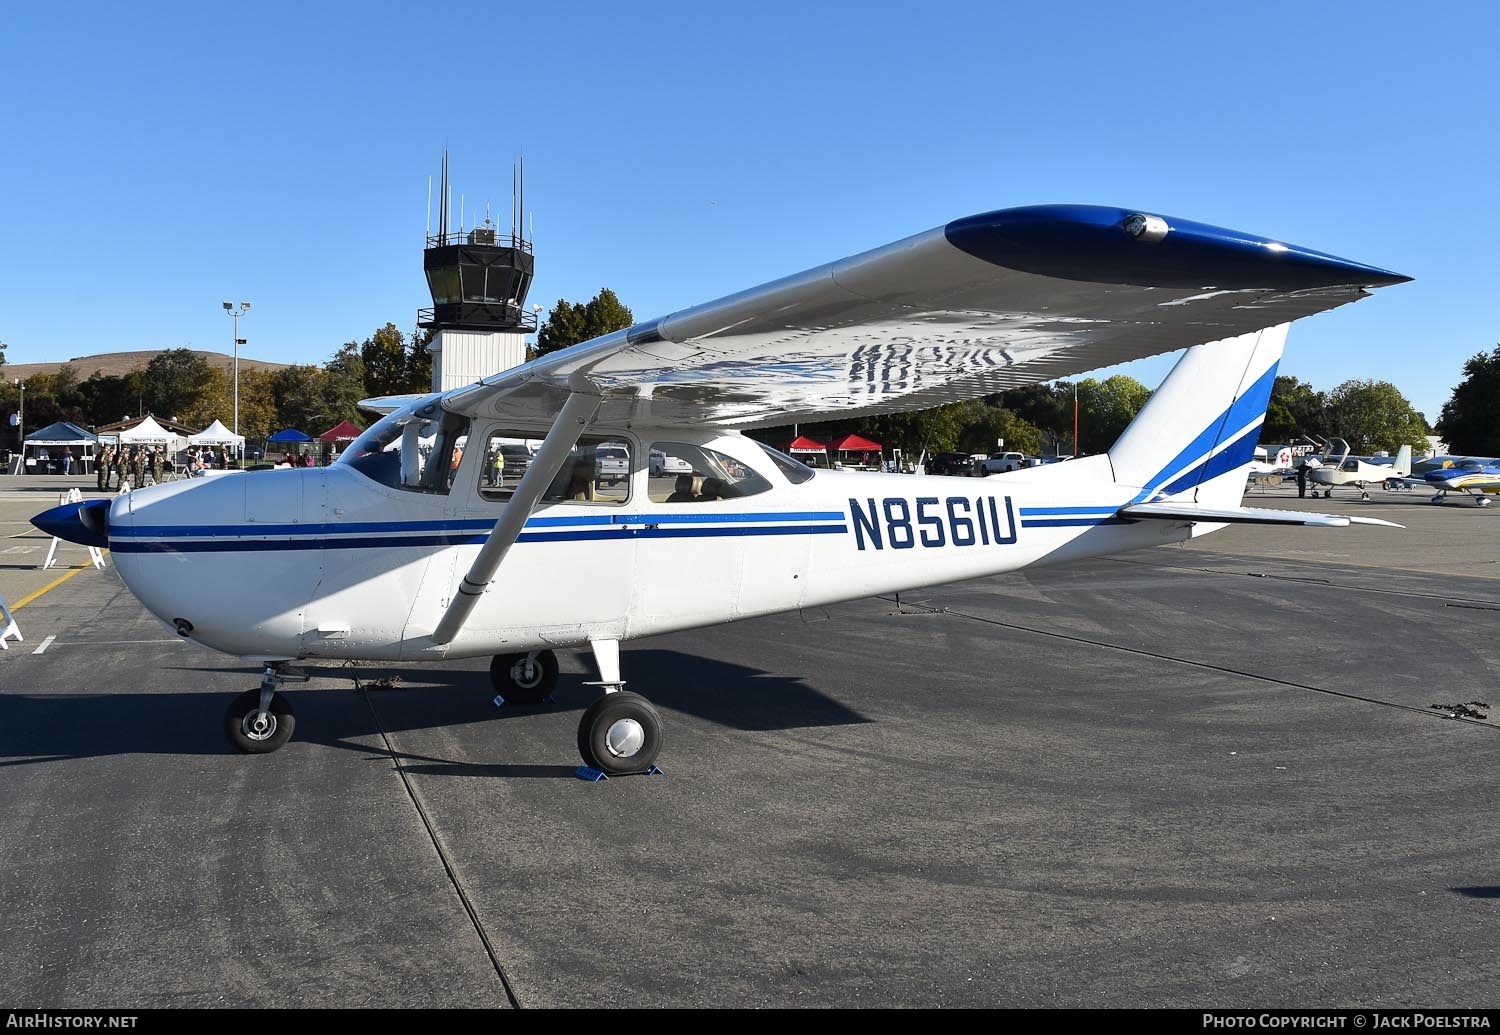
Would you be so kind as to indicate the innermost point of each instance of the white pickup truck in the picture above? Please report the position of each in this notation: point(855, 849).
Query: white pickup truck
point(999, 463)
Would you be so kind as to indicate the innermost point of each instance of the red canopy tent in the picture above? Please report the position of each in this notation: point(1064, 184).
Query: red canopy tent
point(852, 450)
point(810, 452)
point(344, 432)
point(855, 444)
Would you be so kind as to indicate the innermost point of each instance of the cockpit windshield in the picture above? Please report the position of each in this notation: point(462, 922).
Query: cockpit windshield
point(416, 449)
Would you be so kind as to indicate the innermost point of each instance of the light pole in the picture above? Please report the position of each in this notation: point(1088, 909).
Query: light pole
point(238, 341)
point(21, 425)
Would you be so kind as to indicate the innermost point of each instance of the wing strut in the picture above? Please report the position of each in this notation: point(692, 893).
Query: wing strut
point(570, 424)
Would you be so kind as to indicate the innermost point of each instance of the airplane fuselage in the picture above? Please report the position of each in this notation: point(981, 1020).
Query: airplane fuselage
point(328, 563)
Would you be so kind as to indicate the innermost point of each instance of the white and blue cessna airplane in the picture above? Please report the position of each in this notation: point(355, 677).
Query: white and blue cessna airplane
point(404, 550)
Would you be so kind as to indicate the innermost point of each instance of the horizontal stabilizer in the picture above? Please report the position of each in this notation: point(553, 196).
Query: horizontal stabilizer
point(1243, 515)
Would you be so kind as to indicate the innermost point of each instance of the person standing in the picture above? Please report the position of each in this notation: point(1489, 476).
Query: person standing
point(137, 467)
point(101, 469)
point(67, 459)
point(158, 461)
point(497, 467)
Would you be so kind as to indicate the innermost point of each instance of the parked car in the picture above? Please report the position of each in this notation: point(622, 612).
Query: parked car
point(999, 463)
point(663, 464)
point(517, 459)
point(611, 464)
point(950, 463)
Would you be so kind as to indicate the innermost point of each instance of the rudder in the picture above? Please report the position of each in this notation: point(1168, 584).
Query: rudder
point(1217, 394)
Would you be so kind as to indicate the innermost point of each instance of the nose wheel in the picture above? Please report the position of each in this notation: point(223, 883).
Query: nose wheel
point(260, 721)
point(256, 731)
point(524, 678)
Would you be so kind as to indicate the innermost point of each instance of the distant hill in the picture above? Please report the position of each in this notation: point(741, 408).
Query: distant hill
point(118, 364)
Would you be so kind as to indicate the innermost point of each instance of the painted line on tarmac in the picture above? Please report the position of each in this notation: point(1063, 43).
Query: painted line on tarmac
point(44, 645)
point(107, 643)
point(49, 587)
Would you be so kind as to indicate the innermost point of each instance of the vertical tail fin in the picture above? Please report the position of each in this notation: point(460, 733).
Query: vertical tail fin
point(1198, 432)
point(1403, 461)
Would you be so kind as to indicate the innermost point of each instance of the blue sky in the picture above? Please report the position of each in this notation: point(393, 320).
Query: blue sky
point(160, 158)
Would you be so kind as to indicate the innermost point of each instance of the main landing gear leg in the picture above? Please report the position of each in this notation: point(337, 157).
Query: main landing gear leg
point(620, 732)
point(260, 721)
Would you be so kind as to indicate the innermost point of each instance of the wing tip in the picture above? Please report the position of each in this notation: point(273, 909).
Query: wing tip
point(1104, 244)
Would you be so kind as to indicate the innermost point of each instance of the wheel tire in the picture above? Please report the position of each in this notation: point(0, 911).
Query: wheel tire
point(239, 720)
point(511, 681)
point(620, 733)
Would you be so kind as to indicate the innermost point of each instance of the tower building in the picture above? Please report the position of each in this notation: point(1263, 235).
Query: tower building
point(478, 279)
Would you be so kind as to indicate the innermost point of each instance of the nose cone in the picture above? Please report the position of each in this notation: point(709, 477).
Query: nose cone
point(86, 523)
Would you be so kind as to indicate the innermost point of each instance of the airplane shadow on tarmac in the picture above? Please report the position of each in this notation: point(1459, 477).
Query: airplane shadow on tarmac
point(37, 728)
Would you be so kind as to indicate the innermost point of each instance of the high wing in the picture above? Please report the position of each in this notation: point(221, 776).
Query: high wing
point(974, 307)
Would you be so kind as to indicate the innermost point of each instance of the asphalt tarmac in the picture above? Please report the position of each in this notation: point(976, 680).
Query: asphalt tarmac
point(1200, 776)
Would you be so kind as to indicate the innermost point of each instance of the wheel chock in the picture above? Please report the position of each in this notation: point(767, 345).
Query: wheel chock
point(499, 700)
point(589, 773)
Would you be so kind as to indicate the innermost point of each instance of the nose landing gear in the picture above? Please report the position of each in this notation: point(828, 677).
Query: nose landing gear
point(260, 721)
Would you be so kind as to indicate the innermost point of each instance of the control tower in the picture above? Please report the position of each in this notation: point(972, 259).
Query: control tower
point(478, 279)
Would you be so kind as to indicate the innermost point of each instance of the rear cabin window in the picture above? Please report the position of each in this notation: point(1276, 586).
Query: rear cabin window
point(794, 470)
point(682, 473)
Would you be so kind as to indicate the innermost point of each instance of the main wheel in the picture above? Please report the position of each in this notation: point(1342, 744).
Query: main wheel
point(521, 679)
point(253, 735)
point(620, 733)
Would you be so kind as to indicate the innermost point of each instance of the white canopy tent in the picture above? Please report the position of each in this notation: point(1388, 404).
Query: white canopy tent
point(150, 433)
point(216, 434)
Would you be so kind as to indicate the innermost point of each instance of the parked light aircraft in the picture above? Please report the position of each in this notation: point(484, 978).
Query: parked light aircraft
point(1266, 472)
point(1351, 470)
point(1480, 478)
point(398, 553)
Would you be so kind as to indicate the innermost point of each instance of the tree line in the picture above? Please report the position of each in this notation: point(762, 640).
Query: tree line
point(186, 387)
point(1037, 419)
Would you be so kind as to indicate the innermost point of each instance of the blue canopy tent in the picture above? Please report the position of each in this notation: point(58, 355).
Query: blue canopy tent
point(289, 439)
point(43, 450)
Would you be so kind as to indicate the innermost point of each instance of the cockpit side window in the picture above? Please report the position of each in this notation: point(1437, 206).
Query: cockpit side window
point(596, 471)
point(507, 457)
